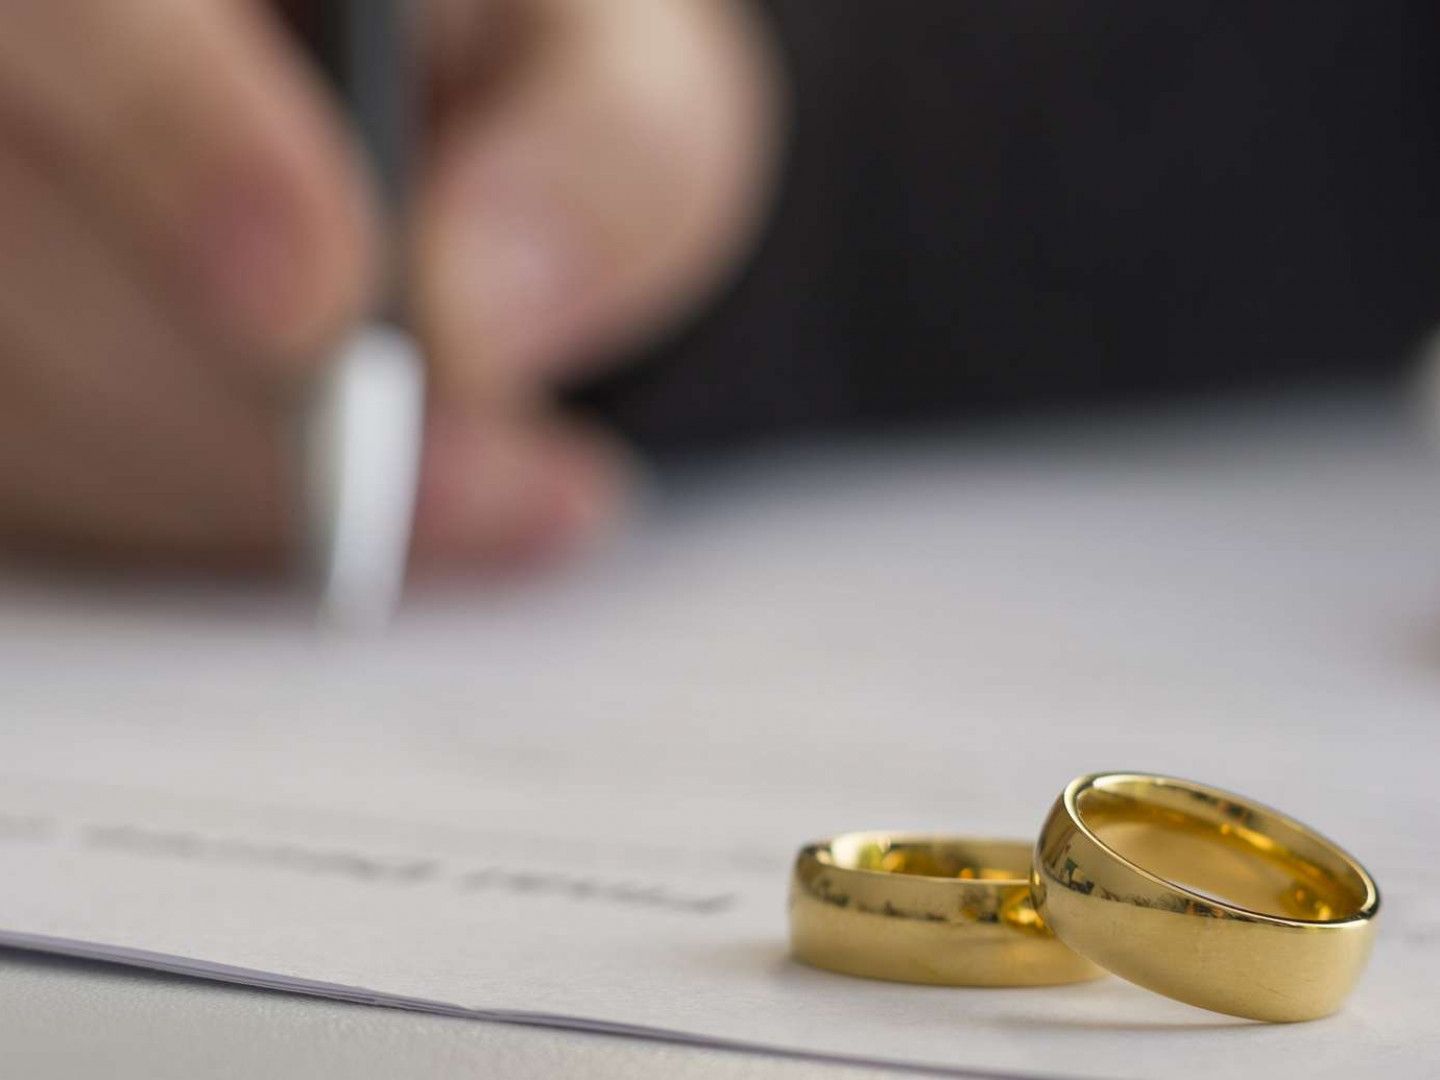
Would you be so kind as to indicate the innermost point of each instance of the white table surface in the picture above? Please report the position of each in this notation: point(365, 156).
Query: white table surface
point(67, 1018)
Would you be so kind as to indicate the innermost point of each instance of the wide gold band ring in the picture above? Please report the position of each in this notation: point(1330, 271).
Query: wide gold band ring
point(925, 909)
point(1204, 896)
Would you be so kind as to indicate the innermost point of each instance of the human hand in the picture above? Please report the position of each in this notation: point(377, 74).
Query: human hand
point(186, 231)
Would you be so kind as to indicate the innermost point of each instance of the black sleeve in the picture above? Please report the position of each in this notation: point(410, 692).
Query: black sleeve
point(995, 204)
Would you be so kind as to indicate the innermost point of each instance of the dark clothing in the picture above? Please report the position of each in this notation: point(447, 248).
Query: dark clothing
point(993, 204)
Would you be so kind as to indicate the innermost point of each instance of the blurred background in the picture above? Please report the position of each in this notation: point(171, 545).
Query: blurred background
point(1003, 208)
point(671, 230)
point(975, 368)
point(1078, 340)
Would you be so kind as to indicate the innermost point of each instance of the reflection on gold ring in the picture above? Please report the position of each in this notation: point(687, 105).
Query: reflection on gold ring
point(925, 909)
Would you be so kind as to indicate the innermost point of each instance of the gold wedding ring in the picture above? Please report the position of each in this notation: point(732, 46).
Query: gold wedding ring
point(1204, 896)
point(925, 909)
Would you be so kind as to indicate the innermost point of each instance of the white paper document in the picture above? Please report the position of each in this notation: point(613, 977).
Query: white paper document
point(575, 802)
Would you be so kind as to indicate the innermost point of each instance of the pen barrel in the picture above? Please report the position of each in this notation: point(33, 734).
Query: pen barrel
point(369, 49)
point(367, 45)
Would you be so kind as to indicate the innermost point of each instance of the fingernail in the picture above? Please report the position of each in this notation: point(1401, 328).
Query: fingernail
point(592, 485)
point(562, 499)
point(515, 499)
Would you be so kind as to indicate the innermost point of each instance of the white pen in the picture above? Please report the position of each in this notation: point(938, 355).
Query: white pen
point(364, 428)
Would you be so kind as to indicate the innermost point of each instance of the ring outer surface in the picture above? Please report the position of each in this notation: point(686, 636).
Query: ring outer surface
point(908, 927)
point(1189, 945)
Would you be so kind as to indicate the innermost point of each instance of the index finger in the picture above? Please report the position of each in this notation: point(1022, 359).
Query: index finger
point(209, 150)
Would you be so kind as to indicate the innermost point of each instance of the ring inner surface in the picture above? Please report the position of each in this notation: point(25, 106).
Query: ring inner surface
point(1222, 849)
point(978, 860)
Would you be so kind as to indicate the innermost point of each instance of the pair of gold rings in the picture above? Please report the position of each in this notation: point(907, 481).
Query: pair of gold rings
point(1192, 892)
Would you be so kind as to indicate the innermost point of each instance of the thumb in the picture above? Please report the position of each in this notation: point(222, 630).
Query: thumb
point(594, 191)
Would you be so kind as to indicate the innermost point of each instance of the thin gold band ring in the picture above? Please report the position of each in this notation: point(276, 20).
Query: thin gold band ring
point(925, 909)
